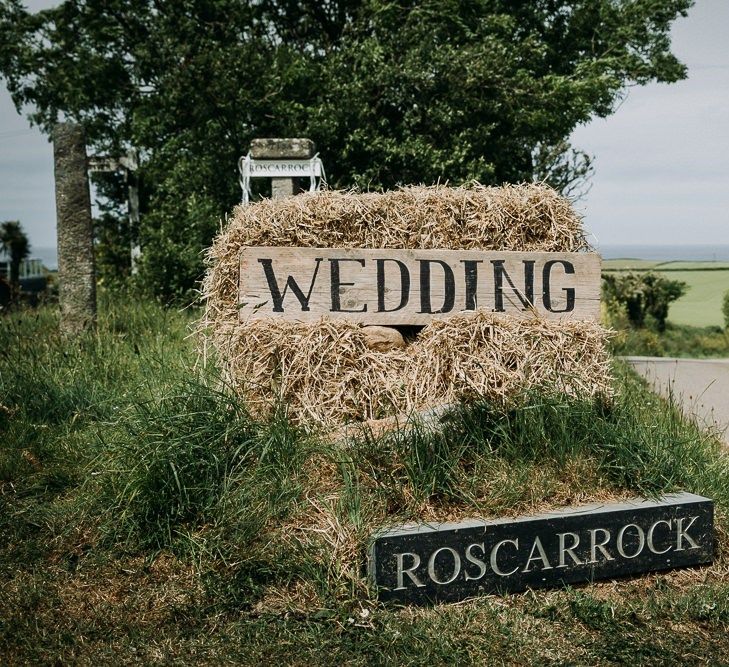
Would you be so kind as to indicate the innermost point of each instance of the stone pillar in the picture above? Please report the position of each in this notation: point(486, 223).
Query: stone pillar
point(282, 187)
point(76, 269)
point(282, 149)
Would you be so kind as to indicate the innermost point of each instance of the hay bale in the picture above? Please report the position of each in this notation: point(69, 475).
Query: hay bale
point(327, 374)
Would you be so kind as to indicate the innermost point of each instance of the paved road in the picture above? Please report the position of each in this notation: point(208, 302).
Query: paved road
point(700, 386)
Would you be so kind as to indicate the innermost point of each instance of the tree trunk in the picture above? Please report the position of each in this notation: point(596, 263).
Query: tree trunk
point(76, 269)
point(14, 276)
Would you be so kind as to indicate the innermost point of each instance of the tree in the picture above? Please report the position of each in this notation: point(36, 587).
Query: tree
point(14, 243)
point(660, 293)
point(625, 292)
point(641, 295)
point(391, 91)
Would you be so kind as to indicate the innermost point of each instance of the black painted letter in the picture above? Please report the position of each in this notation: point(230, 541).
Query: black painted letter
point(569, 269)
point(336, 283)
point(276, 293)
point(471, 267)
point(449, 298)
point(404, 285)
point(526, 297)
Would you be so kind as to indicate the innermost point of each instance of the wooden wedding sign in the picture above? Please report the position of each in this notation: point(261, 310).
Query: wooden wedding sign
point(412, 287)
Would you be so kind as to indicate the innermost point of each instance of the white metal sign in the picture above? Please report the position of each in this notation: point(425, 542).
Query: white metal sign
point(312, 169)
point(280, 168)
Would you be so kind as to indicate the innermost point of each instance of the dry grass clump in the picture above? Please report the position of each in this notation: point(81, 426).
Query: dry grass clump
point(324, 371)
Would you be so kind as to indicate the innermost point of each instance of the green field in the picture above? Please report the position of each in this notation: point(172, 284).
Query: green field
point(701, 305)
point(707, 282)
point(628, 264)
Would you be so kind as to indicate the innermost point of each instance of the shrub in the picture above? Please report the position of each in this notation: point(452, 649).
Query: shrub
point(659, 294)
point(639, 342)
point(641, 295)
point(625, 294)
point(725, 309)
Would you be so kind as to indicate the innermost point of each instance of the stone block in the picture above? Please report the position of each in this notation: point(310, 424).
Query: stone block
point(383, 339)
point(282, 149)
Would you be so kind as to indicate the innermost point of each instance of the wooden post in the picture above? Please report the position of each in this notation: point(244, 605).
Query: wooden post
point(76, 268)
point(133, 207)
point(129, 165)
point(282, 149)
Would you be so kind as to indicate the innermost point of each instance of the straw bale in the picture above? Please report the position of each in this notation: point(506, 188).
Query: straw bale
point(326, 373)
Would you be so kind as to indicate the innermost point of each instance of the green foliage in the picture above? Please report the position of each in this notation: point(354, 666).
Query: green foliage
point(391, 92)
point(676, 341)
point(725, 309)
point(112, 251)
point(660, 292)
point(641, 295)
point(623, 294)
point(112, 233)
point(14, 242)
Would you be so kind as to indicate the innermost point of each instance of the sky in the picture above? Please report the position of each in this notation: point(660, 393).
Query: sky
point(661, 160)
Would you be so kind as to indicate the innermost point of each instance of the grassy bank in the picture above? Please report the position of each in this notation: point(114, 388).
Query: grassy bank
point(676, 341)
point(145, 517)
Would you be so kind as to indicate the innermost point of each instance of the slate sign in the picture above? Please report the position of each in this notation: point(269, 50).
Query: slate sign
point(453, 561)
point(411, 287)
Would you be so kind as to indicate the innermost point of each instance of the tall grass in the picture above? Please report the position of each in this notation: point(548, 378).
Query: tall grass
point(636, 443)
point(189, 459)
point(53, 390)
point(164, 451)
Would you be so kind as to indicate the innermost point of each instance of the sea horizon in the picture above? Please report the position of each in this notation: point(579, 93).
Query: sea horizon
point(700, 252)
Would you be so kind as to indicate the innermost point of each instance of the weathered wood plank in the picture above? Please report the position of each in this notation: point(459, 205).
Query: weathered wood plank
point(412, 287)
point(282, 148)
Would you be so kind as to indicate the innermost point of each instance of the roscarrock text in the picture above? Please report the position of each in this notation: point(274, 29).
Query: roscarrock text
point(453, 561)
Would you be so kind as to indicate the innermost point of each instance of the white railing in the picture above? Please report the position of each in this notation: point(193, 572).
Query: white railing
point(29, 268)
